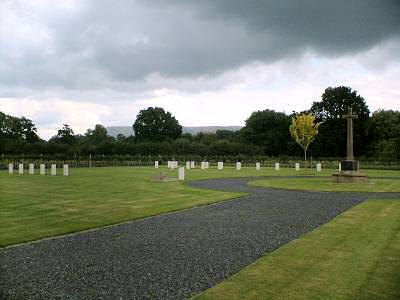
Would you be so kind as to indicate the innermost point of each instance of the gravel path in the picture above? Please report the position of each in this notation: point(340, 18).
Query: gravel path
point(172, 256)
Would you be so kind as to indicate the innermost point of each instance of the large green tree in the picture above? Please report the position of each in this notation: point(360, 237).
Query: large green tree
point(384, 133)
point(97, 135)
point(268, 129)
point(65, 135)
point(13, 129)
point(331, 140)
point(155, 124)
point(97, 141)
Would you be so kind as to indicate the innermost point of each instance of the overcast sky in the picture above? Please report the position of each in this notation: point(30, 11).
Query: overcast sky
point(209, 62)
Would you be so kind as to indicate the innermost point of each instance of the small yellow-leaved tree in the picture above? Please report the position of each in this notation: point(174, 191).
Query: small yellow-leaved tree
point(304, 130)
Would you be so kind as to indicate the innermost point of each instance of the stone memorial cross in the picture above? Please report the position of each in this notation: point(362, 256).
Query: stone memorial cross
point(350, 118)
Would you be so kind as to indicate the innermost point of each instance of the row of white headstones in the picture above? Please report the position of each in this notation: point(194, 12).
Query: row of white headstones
point(205, 165)
point(42, 169)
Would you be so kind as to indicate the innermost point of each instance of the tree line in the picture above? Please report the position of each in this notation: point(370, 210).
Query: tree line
point(266, 132)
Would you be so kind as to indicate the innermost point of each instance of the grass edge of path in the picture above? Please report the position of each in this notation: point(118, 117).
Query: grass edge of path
point(327, 184)
point(293, 273)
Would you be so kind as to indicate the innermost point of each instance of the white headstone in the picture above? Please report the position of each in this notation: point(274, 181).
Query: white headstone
point(203, 165)
point(65, 169)
point(192, 164)
point(207, 164)
point(21, 168)
point(276, 166)
point(42, 169)
point(31, 169)
point(188, 165)
point(181, 173)
point(53, 169)
point(297, 166)
point(340, 167)
point(258, 166)
point(238, 165)
point(10, 168)
point(169, 164)
point(318, 167)
point(156, 164)
point(220, 165)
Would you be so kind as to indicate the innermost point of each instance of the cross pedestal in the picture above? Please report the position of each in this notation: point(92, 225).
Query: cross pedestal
point(349, 165)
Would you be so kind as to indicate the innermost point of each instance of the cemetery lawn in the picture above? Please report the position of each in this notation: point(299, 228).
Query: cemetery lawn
point(33, 207)
point(328, 184)
point(355, 256)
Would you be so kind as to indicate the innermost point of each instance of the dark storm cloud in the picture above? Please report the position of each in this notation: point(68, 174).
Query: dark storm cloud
point(107, 43)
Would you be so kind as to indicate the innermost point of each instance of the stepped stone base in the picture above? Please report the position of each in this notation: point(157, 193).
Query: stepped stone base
point(349, 176)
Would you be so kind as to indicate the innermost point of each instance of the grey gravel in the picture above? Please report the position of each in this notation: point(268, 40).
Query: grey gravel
point(171, 256)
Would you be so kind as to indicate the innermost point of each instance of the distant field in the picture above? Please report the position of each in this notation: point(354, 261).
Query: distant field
point(34, 207)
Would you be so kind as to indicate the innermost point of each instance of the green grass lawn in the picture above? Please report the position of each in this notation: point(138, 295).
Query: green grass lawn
point(34, 207)
point(355, 256)
point(329, 184)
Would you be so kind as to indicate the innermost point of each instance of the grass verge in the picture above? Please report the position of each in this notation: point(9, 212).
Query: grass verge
point(328, 184)
point(355, 256)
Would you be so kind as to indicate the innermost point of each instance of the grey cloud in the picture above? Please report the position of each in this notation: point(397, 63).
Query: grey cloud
point(111, 44)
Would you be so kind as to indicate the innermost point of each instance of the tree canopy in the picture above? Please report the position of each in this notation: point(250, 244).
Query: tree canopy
point(304, 130)
point(14, 131)
point(155, 124)
point(331, 140)
point(384, 133)
point(64, 135)
point(268, 129)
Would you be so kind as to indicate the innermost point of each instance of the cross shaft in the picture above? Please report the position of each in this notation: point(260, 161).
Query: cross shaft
point(350, 118)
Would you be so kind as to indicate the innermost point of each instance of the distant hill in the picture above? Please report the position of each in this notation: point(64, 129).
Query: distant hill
point(115, 130)
point(209, 129)
point(127, 130)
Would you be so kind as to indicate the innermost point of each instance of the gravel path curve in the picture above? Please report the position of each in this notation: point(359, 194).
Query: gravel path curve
point(171, 256)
